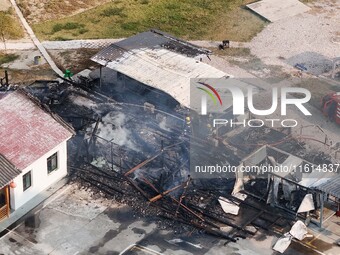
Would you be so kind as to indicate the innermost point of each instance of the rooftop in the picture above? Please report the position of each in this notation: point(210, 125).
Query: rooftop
point(160, 61)
point(332, 187)
point(27, 131)
point(152, 39)
point(7, 171)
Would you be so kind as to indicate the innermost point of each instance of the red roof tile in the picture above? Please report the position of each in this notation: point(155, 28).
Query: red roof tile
point(26, 131)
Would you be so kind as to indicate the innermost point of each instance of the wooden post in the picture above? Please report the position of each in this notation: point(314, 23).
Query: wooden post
point(7, 199)
point(321, 209)
point(6, 78)
point(100, 76)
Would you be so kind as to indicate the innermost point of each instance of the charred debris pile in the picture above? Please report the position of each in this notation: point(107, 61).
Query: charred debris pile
point(139, 154)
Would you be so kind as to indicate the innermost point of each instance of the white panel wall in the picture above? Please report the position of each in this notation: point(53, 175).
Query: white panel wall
point(41, 180)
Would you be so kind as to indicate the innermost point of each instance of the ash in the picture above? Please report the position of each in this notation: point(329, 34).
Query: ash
point(132, 146)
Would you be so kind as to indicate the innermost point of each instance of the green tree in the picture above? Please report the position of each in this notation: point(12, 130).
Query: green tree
point(9, 28)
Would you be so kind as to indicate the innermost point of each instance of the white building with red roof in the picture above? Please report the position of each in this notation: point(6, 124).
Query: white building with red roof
point(33, 150)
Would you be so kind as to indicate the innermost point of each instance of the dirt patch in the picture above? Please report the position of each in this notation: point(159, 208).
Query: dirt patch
point(5, 5)
point(26, 77)
point(318, 88)
point(301, 38)
point(74, 60)
point(243, 58)
point(42, 10)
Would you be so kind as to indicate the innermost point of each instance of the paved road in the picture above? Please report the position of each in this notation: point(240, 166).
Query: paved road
point(93, 43)
point(72, 222)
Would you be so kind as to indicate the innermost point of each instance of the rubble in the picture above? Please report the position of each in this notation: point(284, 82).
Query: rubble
point(307, 204)
point(136, 151)
point(298, 231)
point(230, 206)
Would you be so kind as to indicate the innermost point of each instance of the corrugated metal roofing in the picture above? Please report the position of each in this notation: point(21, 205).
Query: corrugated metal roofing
point(159, 60)
point(7, 171)
point(331, 187)
point(157, 39)
point(162, 69)
point(152, 40)
point(27, 131)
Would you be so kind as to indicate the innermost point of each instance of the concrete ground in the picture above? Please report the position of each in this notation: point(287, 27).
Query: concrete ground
point(309, 38)
point(4, 5)
point(72, 222)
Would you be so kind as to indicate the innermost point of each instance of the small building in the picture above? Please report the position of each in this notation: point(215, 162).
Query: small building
point(157, 60)
point(33, 150)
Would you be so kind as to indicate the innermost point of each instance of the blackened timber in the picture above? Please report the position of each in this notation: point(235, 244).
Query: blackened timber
point(142, 164)
point(159, 196)
point(175, 200)
point(224, 221)
point(137, 188)
point(247, 223)
point(211, 231)
point(183, 194)
point(254, 206)
point(96, 182)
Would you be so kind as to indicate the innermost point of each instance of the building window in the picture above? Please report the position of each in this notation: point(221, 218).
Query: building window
point(27, 180)
point(52, 163)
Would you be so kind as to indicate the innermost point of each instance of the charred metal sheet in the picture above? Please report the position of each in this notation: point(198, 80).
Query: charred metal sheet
point(331, 187)
point(149, 40)
point(7, 171)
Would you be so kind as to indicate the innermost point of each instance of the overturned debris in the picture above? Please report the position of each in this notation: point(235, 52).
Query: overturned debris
point(138, 154)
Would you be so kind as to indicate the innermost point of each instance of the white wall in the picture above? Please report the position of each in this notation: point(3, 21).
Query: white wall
point(40, 179)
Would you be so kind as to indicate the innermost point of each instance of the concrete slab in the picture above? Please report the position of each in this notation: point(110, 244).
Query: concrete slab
point(46, 196)
point(118, 228)
point(4, 5)
point(274, 10)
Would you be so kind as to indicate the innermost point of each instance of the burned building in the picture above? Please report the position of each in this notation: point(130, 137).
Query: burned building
point(133, 140)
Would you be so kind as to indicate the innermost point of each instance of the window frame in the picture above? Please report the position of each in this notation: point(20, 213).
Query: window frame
point(50, 158)
point(24, 188)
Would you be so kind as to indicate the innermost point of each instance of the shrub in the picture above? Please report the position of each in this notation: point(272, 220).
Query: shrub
point(6, 58)
point(132, 26)
point(61, 38)
point(67, 26)
point(72, 25)
point(83, 31)
point(113, 11)
point(57, 27)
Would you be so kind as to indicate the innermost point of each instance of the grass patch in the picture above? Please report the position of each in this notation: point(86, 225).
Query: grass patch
point(10, 27)
point(67, 26)
point(232, 52)
point(74, 60)
point(307, 1)
point(188, 19)
point(7, 58)
point(113, 11)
